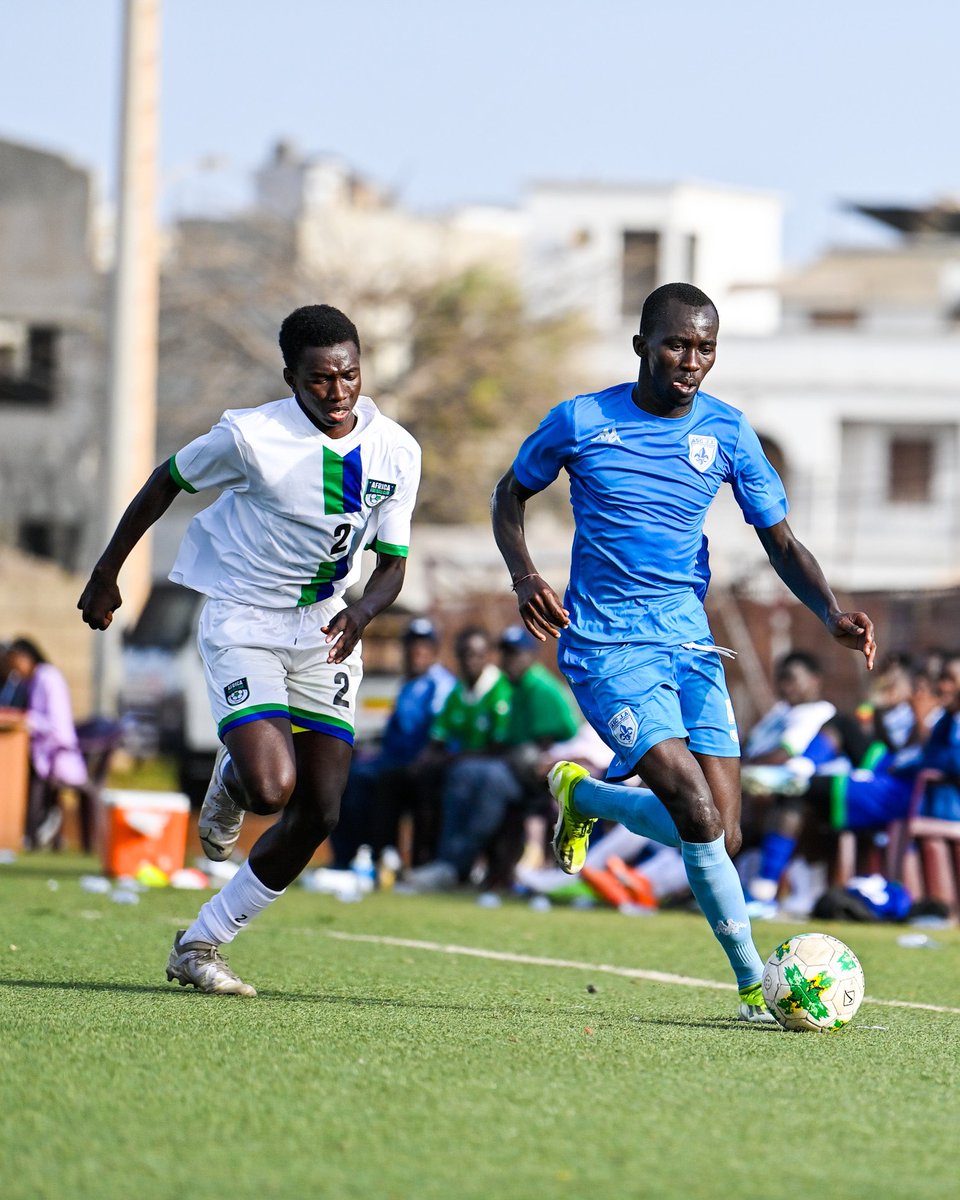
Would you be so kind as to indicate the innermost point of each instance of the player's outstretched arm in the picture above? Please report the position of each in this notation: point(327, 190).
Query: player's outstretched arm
point(801, 572)
point(101, 597)
point(540, 606)
point(383, 587)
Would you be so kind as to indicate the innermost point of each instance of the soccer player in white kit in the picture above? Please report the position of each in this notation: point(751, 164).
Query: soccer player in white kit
point(307, 482)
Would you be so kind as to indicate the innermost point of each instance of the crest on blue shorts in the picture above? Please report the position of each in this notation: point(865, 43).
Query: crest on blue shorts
point(624, 728)
point(703, 450)
point(237, 692)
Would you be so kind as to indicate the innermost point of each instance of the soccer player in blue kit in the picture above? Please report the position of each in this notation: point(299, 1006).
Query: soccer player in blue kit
point(645, 462)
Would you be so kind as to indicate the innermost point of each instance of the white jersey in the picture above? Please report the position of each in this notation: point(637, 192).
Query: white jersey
point(790, 727)
point(297, 505)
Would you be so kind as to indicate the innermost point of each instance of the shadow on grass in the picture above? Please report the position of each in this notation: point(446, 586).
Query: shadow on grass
point(82, 985)
point(598, 1019)
point(709, 1023)
point(383, 1002)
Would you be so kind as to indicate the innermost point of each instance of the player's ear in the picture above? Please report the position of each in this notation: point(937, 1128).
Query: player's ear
point(639, 345)
point(288, 378)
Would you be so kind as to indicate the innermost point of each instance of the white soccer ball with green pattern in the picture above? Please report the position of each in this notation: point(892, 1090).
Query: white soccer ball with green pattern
point(813, 982)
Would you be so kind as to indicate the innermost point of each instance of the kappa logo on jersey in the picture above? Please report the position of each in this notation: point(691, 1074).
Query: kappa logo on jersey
point(237, 692)
point(703, 450)
point(378, 491)
point(609, 435)
point(624, 727)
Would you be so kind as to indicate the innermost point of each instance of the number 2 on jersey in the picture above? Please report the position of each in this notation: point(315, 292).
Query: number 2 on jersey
point(341, 535)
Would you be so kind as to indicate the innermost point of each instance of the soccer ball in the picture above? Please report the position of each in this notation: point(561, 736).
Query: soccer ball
point(813, 982)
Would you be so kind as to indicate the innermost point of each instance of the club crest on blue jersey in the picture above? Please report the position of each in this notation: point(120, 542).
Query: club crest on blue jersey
point(377, 491)
point(624, 728)
point(703, 450)
point(237, 692)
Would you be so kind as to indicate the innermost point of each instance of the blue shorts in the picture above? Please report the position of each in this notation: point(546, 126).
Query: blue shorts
point(862, 800)
point(638, 694)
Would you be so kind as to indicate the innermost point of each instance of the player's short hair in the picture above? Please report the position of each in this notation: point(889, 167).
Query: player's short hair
point(800, 658)
point(656, 304)
point(314, 325)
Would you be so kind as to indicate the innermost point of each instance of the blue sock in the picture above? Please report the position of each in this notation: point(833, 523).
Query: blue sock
point(638, 809)
point(716, 885)
point(776, 850)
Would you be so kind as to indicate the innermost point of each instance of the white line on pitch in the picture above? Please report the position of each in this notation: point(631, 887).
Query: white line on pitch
point(601, 968)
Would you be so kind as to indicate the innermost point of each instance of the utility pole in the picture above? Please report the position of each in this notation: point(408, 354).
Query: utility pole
point(131, 417)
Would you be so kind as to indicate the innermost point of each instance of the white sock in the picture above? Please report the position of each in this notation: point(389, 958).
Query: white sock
point(231, 909)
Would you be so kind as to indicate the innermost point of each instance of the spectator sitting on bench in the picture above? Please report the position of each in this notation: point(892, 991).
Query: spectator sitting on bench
point(482, 788)
point(872, 796)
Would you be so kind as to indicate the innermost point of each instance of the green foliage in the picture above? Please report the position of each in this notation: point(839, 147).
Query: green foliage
point(482, 375)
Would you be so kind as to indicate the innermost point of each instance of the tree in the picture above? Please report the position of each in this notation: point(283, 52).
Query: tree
point(482, 374)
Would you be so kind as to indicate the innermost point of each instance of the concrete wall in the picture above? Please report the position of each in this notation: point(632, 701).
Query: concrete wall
point(50, 453)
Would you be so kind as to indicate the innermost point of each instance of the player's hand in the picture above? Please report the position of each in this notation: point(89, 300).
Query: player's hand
point(98, 601)
point(541, 609)
point(856, 631)
point(343, 633)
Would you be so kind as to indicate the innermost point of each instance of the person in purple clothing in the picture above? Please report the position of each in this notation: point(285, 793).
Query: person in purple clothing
point(55, 758)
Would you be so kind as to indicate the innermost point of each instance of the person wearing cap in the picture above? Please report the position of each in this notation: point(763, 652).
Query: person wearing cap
point(381, 788)
point(481, 791)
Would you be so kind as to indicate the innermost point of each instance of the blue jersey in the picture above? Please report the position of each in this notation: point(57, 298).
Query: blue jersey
point(418, 702)
point(640, 487)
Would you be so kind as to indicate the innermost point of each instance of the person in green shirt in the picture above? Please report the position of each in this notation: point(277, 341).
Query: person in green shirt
point(499, 770)
point(476, 713)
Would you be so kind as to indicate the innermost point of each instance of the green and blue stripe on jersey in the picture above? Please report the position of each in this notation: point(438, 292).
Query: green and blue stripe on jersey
point(342, 481)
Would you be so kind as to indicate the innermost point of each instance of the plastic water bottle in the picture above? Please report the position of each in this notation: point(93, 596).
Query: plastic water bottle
point(388, 868)
point(364, 870)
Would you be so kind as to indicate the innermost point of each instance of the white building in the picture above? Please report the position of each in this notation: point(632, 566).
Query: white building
point(843, 367)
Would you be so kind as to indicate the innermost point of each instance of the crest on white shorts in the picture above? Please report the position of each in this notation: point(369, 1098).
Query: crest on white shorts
point(703, 450)
point(236, 692)
point(624, 728)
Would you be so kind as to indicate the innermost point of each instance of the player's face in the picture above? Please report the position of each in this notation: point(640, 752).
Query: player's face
point(948, 685)
point(473, 654)
point(515, 660)
point(797, 685)
point(419, 656)
point(326, 382)
point(676, 356)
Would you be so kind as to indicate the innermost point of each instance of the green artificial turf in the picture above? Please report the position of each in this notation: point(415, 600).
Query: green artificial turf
point(366, 1069)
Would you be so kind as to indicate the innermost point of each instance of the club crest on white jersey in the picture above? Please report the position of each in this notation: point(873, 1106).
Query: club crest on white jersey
point(378, 491)
point(703, 450)
point(624, 728)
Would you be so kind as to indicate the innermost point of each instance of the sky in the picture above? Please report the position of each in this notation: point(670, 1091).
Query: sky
point(447, 104)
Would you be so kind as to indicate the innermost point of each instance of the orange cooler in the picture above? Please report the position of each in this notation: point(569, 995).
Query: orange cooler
point(144, 828)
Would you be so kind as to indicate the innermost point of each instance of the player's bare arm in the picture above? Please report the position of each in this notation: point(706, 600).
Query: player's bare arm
point(801, 572)
point(383, 587)
point(101, 597)
point(540, 606)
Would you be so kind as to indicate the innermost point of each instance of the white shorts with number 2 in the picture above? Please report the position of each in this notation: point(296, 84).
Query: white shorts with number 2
point(272, 662)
